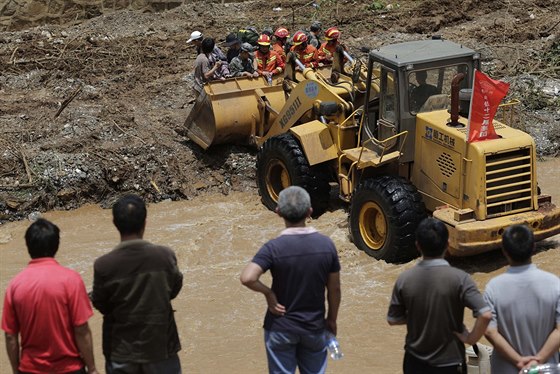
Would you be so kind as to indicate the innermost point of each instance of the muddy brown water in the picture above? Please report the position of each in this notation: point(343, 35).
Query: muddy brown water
point(219, 320)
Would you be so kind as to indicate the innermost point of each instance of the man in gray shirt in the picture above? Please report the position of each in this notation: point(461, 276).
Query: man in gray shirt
point(430, 299)
point(525, 304)
point(205, 66)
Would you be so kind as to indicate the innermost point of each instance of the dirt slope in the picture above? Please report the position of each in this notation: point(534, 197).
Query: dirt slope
point(94, 109)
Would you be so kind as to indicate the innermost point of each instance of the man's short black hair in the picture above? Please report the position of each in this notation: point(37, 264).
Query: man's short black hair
point(207, 45)
point(432, 237)
point(129, 214)
point(42, 239)
point(518, 242)
point(421, 75)
point(315, 26)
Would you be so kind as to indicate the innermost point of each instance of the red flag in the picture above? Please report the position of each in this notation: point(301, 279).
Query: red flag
point(486, 97)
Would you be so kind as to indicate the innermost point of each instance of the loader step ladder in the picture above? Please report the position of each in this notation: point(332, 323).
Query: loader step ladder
point(364, 157)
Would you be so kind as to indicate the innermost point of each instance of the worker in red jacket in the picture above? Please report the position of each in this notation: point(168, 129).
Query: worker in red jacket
point(325, 53)
point(269, 63)
point(281, 35)
point(305, 53)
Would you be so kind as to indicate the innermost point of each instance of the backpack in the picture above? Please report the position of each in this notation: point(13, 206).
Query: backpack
point(248, 35)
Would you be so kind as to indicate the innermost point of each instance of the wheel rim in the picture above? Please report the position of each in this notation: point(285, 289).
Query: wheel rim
point(373, 225)
point(277, 178)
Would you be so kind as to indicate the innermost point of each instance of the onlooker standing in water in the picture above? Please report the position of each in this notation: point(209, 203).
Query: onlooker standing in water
point(525, 304)
point(47, 306)
point(430, 299)
point(303, 263)
point(133, 286)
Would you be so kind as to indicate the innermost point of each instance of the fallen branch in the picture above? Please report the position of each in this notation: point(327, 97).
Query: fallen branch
point(67, 101)
point(102, 157)
point(126, 133)
point(546, 32)
point(26, 166)
point(155, 186)
point(34, 61)
point(15, 187)
point(12, 56)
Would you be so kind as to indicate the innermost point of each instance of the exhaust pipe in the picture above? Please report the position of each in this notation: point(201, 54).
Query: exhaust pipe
point(455, 100)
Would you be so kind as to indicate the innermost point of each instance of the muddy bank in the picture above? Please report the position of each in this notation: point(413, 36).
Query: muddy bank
point(94, 109)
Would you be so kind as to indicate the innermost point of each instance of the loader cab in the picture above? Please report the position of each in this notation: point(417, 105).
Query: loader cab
point(429, 89)
point(413, 77)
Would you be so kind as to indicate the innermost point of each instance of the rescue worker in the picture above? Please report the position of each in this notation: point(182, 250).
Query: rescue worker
point(269, 62)
point(325, 53)
point(305, 53)
point(281, 35)
point(314, 34)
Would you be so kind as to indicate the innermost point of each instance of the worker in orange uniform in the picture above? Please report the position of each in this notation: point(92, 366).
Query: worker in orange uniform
point(269, 62)
point(281, 35)
point(305, 53)
point(325, 53)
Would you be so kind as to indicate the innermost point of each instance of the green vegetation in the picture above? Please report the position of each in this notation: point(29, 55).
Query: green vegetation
point(377, 5)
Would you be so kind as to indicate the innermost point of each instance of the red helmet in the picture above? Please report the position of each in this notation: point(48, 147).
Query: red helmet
point(281, 32)
point(263, 40)
point(299, 37)
point(332, 34)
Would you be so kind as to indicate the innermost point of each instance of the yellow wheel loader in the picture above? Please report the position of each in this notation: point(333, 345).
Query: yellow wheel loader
point(392, 134)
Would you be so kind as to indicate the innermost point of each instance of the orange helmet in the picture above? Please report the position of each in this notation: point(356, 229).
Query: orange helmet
point(332, 34)
point(263, 40)
point(299, 37)
point(281, 32)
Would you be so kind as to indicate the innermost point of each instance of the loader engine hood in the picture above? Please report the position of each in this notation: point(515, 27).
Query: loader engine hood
point(499, 174)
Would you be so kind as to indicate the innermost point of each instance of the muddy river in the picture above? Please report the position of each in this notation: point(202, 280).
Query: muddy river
point(219, 320)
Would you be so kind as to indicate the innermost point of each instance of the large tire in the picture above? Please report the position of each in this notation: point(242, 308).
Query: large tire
point(280, 164)
point(384, 214)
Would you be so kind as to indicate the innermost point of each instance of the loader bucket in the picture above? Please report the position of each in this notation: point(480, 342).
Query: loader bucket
point(231, 111)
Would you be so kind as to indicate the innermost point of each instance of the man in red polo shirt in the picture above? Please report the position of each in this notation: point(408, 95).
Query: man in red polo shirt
point(47, 306)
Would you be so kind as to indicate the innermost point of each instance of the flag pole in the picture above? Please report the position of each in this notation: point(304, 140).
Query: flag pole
point(467, 161)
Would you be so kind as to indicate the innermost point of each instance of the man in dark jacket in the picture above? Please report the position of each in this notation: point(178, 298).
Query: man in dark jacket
point(234, 47)
point(133, 286)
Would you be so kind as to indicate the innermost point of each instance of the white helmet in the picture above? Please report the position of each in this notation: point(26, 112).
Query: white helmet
point(195, 35)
